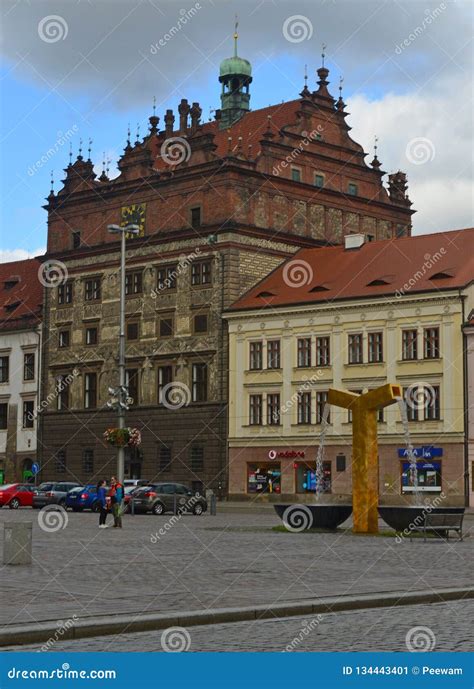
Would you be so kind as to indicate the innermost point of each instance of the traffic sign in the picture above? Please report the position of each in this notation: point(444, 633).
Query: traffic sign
point(35, 467)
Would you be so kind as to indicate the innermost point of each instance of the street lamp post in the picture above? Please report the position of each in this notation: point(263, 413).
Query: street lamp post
point(121, 394)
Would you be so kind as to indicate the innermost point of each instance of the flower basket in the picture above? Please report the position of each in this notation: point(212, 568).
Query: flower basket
point(123, 437)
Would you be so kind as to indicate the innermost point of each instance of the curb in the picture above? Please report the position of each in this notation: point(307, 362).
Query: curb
point(119, 624)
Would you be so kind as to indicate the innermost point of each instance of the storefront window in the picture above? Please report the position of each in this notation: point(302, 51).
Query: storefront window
point(306, 477)
point(264, 479)
point(429, 477)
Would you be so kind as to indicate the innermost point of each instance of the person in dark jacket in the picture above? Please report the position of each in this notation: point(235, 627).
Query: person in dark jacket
point(102, 498)
point(116, 494)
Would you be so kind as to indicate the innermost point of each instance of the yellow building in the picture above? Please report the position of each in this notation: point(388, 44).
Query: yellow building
point(352, 317)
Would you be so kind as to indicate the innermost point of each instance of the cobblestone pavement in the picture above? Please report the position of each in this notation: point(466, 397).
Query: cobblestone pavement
point(446, 625)
point(209, 562)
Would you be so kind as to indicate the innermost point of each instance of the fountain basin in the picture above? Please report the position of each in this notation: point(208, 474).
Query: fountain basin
point(403, 517)
point(300, 517)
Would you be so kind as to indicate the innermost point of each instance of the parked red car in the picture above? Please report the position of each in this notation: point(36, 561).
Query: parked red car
point(16, 495)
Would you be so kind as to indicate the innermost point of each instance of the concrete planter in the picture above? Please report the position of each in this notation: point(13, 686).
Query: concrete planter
point(401, 518)
point(301, 517)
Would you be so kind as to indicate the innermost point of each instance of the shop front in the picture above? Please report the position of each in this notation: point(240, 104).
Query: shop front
point(428, 470)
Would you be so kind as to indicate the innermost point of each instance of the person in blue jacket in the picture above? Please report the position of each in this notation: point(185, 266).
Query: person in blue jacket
point(116, 495)
point(102, 498)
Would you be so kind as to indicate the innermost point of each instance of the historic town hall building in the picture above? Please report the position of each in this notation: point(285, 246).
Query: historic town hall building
point(219, 206)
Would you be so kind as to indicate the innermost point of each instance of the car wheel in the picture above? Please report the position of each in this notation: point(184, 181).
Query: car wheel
point(62, 503)
point(198, 509)
point(14, 504)
point(95, 506)
point(158, 508)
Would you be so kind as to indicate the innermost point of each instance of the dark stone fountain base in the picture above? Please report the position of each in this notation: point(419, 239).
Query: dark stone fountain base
point(402, 517)
point(304, 516)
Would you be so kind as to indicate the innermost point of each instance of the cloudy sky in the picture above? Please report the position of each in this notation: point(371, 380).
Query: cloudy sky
point(75, 69)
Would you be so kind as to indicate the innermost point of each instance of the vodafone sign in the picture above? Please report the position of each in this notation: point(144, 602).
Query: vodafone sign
point(286, 454)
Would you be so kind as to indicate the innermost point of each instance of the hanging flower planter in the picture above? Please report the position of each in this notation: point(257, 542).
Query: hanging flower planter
point(122, 437)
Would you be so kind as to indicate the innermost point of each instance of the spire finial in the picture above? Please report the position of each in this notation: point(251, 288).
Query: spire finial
point(70, 153)
point(138, 133)
point(341, 79)
point(376, 140)
point(52, 183)
point(103, 163)
point(236, 35)
point(128, 135)
point(89, 148)
point(323, 54)
point(305, 76)
point(154, 105)
point(79, 156)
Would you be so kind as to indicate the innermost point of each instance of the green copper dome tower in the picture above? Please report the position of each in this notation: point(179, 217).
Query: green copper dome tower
point(235, 77)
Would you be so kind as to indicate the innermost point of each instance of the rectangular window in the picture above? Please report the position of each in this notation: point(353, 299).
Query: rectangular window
point(88, 461)
point(380, 415)
point(256, 356)
point(255, 410)
point(76, 239)
point(65, 293)
point(133, 282)
point(92, 289)
point(431, 343)
point(164, 458)
point(166, 277)
point(375, 348)
point(304, 352)
point(60, 462)
point(411, 395)
point(349, 411)
point(319, 181)
point(432, 403)
point(132, 330)
point(304, 407)
point(273, 409)
point(62, 392)
point(90, 390)
point(355, 349)
point(199, 382)
point(409, 344)
point(3, 416)
point(352, 189)
point(63, 338)
point(273, 354)
point(165, 378)
point(201, 273)
point(200, 323)
point(323, 354)
point(296, 174)
point(131, 382)
point(28, 414)
point(321, 400)
point(29, 366)
point(91, 336)
point(4, 369)
point(197, 458)
point(166, 327)
point(196, 217)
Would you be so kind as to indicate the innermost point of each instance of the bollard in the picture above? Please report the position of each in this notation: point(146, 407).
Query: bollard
point(17, 543)
point(213, 505)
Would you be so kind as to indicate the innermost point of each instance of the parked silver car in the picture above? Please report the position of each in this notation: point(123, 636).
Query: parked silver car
point(52, 493)
point(159, 498)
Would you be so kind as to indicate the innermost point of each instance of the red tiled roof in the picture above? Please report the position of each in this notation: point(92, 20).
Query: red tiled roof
point(21, 294)
point(251, 127)
point(421, 263)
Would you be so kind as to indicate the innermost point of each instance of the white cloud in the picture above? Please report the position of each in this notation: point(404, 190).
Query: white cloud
point(8, 255)
point(441, 187)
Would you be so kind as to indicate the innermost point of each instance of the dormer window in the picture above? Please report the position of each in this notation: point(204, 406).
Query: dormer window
point(442, 275)
point(11, 282)
point(12, 306)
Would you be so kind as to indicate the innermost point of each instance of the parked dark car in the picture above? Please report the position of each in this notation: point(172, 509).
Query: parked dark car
point(52, 493)
point(16, 495)
point(159, 498)
point(83, 498)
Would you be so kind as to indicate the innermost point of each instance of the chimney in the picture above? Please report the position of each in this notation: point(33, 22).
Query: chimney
point(183, 109)
point(354, 241)
point(169, 123)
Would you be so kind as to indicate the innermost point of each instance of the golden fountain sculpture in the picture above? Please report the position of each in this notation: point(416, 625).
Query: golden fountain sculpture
point(365, 475)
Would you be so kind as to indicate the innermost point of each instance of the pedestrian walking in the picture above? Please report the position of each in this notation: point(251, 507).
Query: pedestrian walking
point(102, 498)
point(116, 495)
